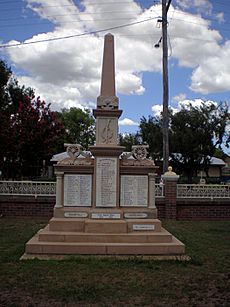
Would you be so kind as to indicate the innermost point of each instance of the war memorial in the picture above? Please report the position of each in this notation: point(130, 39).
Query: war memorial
point(105, 198)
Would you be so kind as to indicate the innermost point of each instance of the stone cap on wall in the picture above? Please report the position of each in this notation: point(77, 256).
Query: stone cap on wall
point(170, 175)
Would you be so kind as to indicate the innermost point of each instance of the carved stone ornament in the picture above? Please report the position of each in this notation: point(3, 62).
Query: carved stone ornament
point(73, 150)
point(107, 102)
point(76, 156)
point(139, 152)
point(107, 133)
point(126, 155)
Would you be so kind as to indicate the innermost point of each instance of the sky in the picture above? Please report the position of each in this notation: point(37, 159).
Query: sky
point(66, 71)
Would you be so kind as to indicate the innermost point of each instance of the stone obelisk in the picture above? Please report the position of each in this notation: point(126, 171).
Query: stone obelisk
point(107, 112)
point(106, 151)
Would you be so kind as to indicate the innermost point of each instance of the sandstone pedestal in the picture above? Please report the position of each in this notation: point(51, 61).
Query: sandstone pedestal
point(105, 198)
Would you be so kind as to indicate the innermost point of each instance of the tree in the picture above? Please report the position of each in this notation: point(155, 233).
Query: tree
point(79, 126)
point(5, 73)
point(128, 140)
point(151, 133)
point(196, 132)
point(34, 130)
point(28, 128)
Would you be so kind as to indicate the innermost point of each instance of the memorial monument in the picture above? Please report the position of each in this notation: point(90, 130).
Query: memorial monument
point(105, 198)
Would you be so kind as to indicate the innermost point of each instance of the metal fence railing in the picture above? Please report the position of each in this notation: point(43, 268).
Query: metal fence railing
point(159, 190)
point(44, 188)
point(203, 191)
point(27, 188)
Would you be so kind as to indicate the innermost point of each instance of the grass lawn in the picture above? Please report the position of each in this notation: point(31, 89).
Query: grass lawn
point(89, 281)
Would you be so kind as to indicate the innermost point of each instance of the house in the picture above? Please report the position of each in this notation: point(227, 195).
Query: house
point(215, 168)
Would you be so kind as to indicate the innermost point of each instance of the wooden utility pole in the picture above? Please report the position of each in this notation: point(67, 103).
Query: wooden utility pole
point(165, 128)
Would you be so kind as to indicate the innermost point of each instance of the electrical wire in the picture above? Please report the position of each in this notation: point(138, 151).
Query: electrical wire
point(77, 35)
point(92, 3)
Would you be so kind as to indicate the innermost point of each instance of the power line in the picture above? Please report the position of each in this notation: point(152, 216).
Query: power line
point(74, 14)
point(102, 20)
point(92, 3)
point(64, 22)
point(77, 35)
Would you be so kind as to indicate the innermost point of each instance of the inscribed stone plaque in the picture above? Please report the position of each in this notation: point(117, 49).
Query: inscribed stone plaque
point(106, 216)
point(134, 191)
point(76, 214)
point(143, 227)
point(106, 182)
point(135, 215)
point(77, 190)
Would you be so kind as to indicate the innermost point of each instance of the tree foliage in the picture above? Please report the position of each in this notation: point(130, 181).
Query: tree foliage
point(194, 135)
point(128, 140)
point(151, 133)
point(28, 129)
point(79, 126)
point(196, 132)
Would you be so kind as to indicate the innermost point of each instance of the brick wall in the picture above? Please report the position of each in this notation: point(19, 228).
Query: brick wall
point(27, 206)
point(217, 209)
point(186, 209)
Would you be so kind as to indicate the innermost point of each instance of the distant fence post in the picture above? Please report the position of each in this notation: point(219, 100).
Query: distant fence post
point(170, 181)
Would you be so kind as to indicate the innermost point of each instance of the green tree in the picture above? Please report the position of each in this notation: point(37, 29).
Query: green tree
point(196, 132)
point(128, 140)
point(79, 126)
point(151, 133)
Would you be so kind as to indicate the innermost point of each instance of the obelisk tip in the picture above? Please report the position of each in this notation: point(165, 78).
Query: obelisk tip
point(108, 69)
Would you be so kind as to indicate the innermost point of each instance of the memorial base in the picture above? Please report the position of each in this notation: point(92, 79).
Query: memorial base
point(87, 236)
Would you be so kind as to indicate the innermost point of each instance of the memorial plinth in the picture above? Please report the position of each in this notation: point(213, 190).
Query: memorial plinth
point(105, 198)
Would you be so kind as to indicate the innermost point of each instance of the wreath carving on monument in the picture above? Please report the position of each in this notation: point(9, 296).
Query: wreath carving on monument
point(74, 151)
point(139, 152)
point(107, 102)
point(138, 156)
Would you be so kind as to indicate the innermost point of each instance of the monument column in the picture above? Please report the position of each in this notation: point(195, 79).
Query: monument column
point(151, 184)
point(107, 151)
point(59, 189)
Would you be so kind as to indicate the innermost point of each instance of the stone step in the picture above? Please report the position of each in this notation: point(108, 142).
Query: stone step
point(133, 237)
point(34, 246)
point(104, 226)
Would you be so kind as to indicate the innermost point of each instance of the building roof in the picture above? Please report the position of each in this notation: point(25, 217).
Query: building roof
point(213, 160)
point(217, 161)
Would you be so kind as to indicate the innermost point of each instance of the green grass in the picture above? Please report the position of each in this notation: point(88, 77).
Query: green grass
point(91, 281)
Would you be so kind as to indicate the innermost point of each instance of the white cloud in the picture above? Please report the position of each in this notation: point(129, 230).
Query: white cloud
point(179, 97)
point(181, 102)
point(157, 109)
point(194, 103)
point(220, 17)
point(213, 74)
point(67, 72)
point(127, 122)
point(204, 6)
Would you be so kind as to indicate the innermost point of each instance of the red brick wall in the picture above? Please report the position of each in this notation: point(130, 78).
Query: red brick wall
point(218, 209)
point(27, 206)
point(186, 209)
point(170, 198)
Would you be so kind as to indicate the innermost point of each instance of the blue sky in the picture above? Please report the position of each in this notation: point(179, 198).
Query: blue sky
point(67, 72)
